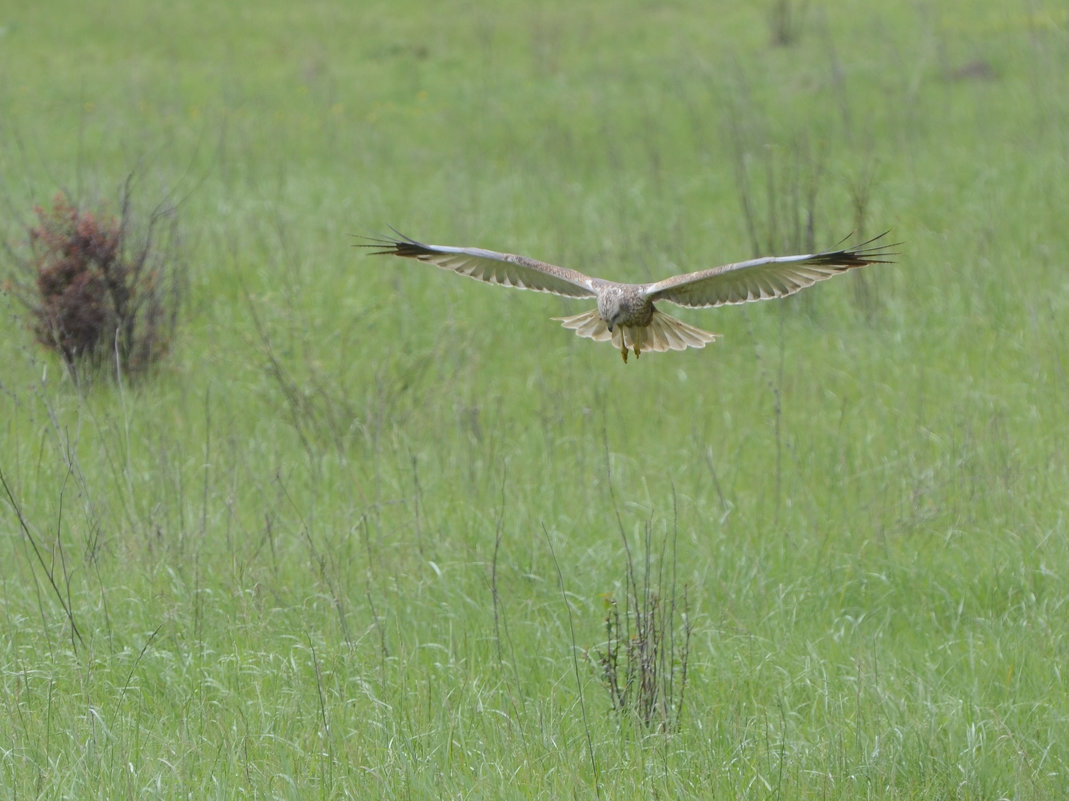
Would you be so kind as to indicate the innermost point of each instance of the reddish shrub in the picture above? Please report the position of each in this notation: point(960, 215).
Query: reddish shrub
point(98, 300)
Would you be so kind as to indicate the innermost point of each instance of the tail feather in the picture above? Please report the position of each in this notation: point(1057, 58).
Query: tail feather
point(663, 332)
point(588, 324)
point(668, 333)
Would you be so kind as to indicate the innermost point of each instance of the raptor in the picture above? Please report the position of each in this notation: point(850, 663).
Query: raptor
point(626, 314)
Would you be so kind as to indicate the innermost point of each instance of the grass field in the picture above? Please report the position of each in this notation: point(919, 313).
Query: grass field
point(358, 536)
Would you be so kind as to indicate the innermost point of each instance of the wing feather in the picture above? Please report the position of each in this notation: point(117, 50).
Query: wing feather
point(504, 269)
point(765, 278)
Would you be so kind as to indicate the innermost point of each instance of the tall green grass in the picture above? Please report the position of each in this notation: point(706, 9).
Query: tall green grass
point(316, 556)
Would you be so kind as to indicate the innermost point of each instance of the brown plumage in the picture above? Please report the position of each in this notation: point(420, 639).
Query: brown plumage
point(625, 313)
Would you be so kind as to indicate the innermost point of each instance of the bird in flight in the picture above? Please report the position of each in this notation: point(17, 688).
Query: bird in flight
point(625, 313)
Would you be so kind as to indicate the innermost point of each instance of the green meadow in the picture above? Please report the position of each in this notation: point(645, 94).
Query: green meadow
point(358, 535)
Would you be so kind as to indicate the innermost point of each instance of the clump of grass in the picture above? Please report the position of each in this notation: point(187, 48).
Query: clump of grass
point(785, 21)
point(643, 662)
point(96, 296)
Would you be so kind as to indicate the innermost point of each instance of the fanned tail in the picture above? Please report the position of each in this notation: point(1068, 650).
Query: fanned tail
point(663, 333)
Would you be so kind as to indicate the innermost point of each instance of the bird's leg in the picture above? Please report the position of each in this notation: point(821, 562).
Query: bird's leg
point(638, 352)
point(623, 352)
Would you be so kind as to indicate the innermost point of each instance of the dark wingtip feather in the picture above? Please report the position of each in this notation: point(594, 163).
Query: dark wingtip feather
point(399, 245)
point(871, 251)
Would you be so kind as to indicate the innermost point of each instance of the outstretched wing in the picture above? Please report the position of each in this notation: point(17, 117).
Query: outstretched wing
point(505, 269)
point(769, 277)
